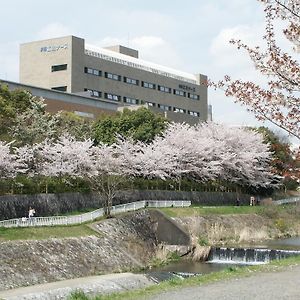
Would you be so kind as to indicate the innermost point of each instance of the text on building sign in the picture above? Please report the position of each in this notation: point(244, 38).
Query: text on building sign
point(186, 88)
point(54, 48)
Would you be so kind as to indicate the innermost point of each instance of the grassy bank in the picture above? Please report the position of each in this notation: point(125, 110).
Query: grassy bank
point(210, 210)
point(39, 233)
point(268, 210)
point(229, 273)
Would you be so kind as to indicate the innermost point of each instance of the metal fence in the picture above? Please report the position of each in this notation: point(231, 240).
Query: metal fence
point(287, 201)
point(90, 216)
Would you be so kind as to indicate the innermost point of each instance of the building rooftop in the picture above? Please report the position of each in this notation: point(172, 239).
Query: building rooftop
point(130, 61)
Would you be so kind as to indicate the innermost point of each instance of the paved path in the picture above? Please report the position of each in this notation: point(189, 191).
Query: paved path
point(261, 286)
point(96, 284)
point(280, 285)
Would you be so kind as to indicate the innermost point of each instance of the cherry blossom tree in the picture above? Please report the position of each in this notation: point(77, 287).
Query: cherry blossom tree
point(279, 101)
point(11, 163)
point(104, 166)
point(210, 152)
point(192, 156)
point(206, 152)
point(65, 157)
point(245, 157)
point(111, 165)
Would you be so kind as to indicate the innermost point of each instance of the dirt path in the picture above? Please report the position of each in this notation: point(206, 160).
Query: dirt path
point(261, 286)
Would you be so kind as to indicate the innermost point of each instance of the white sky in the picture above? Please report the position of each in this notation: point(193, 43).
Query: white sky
point(190, 35)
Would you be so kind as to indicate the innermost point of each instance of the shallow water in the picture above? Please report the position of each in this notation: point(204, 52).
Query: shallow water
point(189, 266)
point(283, 244)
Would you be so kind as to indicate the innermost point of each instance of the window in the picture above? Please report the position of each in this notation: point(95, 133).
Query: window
point(131, 81)
point(130, 100)
point(92, 71)
point(179, 110)
point(112, 76)
point(148, 85)
point(164, 107)
point(194, 113)
point(194, 96)
point(179, 93)
point(59, 68)
point(112, 97)
point(152, 104)
point(60, 88)
point(164, 89)
point(94, 93)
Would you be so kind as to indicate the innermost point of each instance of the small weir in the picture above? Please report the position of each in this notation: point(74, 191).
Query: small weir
point(248, 256)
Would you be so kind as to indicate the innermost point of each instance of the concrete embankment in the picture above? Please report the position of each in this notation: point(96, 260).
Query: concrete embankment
point(124, 243)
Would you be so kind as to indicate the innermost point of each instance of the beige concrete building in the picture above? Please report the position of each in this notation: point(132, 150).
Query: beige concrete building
point(113, 74)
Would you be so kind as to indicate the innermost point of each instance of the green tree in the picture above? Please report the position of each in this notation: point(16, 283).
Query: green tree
point(282, 155)
point(141, 125)
point(12, 103)
point(76, 126)
point(34, 124)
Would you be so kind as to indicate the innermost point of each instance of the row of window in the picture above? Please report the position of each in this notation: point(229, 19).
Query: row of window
point(134, 101)
point(138, 66)
point(145, 84)
point(174, 109)
point(148, 85)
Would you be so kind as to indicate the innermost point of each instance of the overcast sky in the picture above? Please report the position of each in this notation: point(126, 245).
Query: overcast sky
point(190, 35)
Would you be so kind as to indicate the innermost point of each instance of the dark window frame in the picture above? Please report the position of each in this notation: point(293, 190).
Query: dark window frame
point(62, 88)
point(57, 68)
point(112, 76)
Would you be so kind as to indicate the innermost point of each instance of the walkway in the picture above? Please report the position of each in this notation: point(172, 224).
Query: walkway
point(280, 285)
point(90, 216)
point(260, 286)
point(61, 289)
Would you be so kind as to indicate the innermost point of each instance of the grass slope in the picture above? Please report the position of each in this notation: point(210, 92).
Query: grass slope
point(39, 233)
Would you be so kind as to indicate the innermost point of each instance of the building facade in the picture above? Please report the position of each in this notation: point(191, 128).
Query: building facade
point(113, 74)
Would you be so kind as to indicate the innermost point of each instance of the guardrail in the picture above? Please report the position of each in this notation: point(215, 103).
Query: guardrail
point(287, 201)
point(90, 216)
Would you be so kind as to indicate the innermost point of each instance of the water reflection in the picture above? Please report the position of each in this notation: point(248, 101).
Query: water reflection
point(284, 244)
point(191, 267)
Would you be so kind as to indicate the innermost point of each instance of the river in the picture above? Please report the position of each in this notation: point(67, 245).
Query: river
point(235, 255)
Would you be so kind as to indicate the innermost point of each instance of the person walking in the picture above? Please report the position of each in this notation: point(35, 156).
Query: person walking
point(31, 213)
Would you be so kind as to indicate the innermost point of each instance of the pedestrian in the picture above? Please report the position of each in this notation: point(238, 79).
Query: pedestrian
point(31, 213)
point(252, 201)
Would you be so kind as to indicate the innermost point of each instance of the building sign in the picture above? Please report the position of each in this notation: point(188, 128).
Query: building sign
point(186, 88)
point(54, 48)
